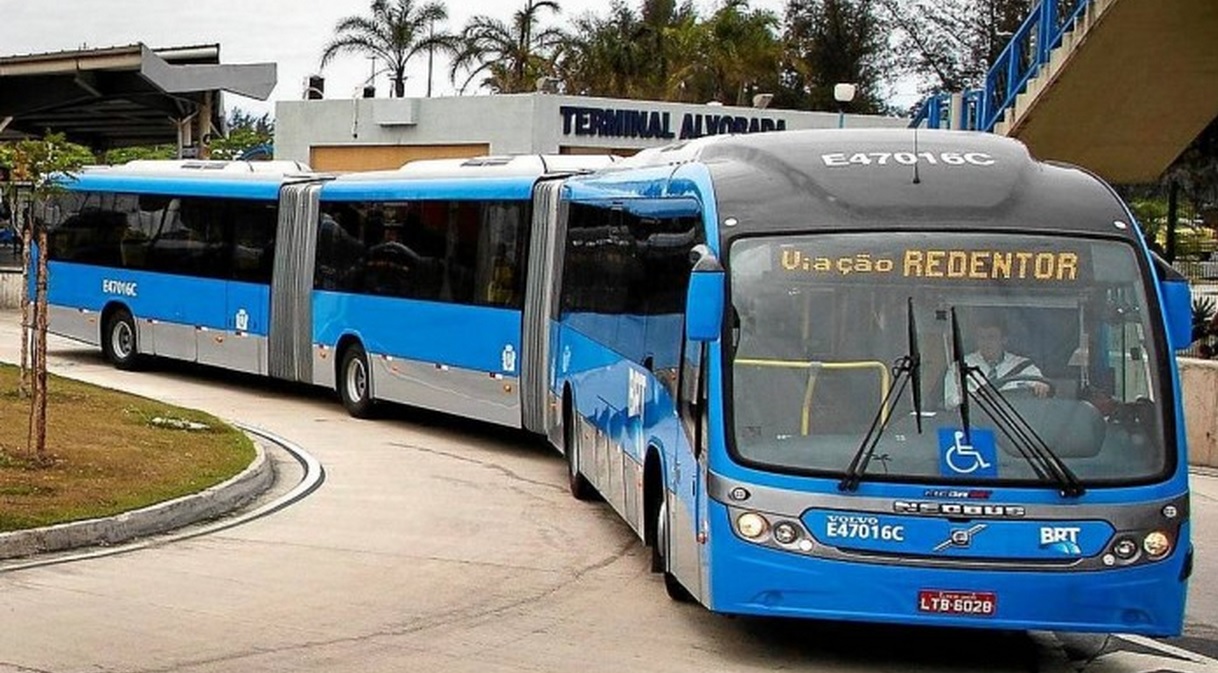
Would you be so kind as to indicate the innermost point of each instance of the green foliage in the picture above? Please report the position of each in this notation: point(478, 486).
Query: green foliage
point(831, 41)
point(31, 164)
point(1205, 326)
point(32, 161)
point(1204, 310)
point(668, 52)
point(510, 57)
point(245, 132)
point(122, 155)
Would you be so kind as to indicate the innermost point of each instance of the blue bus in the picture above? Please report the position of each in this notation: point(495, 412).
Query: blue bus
point(403, 286)
point(873, 375)
point(864, 375)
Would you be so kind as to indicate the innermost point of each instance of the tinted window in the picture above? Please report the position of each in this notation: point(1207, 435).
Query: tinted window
point(214, 238)
point(631, 259)
point(625, 275)
point(466, 252)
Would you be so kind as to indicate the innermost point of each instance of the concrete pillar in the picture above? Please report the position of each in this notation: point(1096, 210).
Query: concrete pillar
point(205, 127)
point(956, 115)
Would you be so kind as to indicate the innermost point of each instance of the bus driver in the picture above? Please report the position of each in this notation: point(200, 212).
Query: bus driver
point(995, 365)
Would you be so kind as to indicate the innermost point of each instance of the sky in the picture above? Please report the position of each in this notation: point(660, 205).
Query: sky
point(290, 33)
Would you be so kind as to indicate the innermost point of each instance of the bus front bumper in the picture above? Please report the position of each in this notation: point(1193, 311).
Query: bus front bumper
point(745, 578)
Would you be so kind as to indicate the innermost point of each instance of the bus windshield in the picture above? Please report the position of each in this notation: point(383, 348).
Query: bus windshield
point(1057, 327)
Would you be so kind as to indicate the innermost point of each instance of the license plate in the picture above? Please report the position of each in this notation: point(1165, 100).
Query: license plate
point(973, 603)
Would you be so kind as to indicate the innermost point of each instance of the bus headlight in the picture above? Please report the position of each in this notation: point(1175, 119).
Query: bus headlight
point(1156, 544)
point(786, 532)
point(1125, 549)
point(752, 525)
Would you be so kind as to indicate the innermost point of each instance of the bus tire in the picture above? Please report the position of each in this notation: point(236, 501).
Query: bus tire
point(355, 382)
point(672, 585)
point(119, 341)
point(577, 483)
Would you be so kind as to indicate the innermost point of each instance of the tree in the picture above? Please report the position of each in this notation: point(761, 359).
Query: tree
point(121, 155)
point(245, 132)
point(511, 58)
point(832, 41)
point(633, 54)
point(604, 56)
point(37, 166)
point(395, 34)
point(950, 45)
point(728, 56)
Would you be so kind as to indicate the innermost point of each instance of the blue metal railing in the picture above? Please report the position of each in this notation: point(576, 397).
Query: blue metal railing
point(1019, 62)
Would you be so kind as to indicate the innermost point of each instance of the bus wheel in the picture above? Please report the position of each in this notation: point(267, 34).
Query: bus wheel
point(580, 487)
point(118, 343)
point(672, 585)
point(354, 382)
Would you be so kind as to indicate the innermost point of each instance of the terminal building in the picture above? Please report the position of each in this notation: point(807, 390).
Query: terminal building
point(378, 133)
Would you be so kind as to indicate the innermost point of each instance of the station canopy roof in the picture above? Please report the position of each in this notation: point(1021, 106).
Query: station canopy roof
point(122, 96)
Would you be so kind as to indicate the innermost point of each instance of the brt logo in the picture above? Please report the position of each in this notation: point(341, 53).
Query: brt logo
point(1063, 539)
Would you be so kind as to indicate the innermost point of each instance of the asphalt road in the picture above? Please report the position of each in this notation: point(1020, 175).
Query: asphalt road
point(439, 545)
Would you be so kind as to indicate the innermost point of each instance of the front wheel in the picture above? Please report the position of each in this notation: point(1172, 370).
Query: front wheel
point(119, 341)
point(354, 382)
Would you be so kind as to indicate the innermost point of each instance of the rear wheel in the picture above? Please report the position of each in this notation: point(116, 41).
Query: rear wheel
point(355, 382)
point(580, 487)
point(119, 342)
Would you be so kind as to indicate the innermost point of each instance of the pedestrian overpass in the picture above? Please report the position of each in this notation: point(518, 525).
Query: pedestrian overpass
point(1120, 87)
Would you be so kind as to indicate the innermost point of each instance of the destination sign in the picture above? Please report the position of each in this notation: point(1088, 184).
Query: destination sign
point(1047, 266)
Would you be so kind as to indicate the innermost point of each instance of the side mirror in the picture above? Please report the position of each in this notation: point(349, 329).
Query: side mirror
point(1177, 304)
point(704, 299)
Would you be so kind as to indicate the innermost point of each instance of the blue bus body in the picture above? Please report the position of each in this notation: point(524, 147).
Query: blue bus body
point(722, 338)
point(404, 286)
point(179, 302)
point(763, 521)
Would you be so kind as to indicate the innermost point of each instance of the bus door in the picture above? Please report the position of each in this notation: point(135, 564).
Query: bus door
point(241, 344)
point(540, 307)
point(290, 341)
point(688, 466)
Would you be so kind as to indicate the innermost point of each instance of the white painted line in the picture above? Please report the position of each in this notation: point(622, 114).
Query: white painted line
point(1172, 650)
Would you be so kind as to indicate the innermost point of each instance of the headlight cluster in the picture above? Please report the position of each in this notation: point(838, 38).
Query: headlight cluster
point(1127, 548)
point(757, 528)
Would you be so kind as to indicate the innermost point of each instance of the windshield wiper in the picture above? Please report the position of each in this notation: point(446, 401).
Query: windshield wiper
point(1030, 445)
point(906, 369)
point(961, 378)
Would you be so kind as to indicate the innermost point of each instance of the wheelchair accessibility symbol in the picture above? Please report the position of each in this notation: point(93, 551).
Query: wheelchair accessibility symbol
point(958, 457)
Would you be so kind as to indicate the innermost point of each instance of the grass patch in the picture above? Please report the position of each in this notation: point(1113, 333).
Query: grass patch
point(107, 455)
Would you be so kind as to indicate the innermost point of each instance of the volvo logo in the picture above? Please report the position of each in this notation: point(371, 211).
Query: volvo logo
point(960, 538)
point(959, 509)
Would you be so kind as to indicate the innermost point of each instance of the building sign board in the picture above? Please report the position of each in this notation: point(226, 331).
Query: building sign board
point(633, 123)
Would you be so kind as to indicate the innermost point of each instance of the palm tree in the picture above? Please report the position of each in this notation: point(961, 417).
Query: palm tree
point(727, 54)
point(628, 54)
point(395, 34)
point(511, 58)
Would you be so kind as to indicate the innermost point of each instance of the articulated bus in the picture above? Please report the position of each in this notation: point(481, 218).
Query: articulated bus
point(875, 375)
point(405, 286)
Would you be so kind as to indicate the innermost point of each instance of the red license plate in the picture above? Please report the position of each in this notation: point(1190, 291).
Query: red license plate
point(973, 603)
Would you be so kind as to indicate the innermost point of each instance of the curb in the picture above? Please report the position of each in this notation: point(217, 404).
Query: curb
point(151, 520)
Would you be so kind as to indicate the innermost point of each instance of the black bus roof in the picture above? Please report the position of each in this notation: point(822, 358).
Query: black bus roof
point(894, 179)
